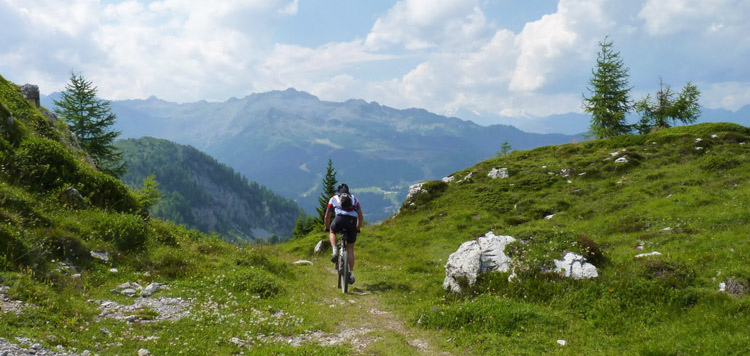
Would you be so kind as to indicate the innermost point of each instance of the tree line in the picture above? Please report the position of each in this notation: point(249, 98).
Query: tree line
point(609, 100)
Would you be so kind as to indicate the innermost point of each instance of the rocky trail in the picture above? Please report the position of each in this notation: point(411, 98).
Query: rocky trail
point(369, 322)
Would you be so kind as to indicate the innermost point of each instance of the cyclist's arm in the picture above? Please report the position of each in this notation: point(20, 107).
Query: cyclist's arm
point(327, 220)
point(360, 218)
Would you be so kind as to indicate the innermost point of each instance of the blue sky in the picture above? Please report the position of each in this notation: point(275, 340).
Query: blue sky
point(483, 60)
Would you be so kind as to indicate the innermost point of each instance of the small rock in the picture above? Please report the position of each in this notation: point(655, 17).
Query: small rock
point(151, 289)
point(130, 292)
point(667, 229)
point(147, 274)
point(722, 287)
point(303, 262)
point(144, 352)
point(550, 216)
point(468, 176)
point(113, 270)
point(622, 159)
point(575, 266)
point(77, 275)
point(501, 173)
point(106, 331)
point(698, 148)
point(104, 256)
point(322, 245)
point(654, 253)
point(714, 136)
point(448, 179)
point(561, 342)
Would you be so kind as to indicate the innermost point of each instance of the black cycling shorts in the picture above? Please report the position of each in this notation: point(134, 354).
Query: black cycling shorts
point(347, 226)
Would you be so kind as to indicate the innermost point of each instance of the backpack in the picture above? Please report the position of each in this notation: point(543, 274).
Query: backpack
point(346, 201)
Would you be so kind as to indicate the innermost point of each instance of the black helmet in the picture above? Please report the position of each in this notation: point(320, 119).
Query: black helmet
point(343, 188)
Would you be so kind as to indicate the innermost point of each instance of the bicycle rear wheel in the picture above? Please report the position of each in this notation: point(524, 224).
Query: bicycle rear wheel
point(344, 275)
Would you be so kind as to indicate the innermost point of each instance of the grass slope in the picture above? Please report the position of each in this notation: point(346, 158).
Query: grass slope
point(254, 301)
point(682, 193)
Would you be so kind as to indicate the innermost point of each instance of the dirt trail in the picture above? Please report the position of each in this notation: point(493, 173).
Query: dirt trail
point(371, 322)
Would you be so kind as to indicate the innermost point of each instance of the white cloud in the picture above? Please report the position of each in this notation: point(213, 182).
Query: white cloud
point(709, 17)
point(426, 24)
point(727, 95)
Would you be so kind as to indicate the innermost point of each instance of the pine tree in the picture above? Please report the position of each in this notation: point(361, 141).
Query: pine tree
point(609, 90)
point(90, 119)
point(667, 110)
point(329, 189)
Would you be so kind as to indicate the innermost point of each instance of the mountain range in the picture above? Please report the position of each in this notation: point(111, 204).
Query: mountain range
point(283, 140)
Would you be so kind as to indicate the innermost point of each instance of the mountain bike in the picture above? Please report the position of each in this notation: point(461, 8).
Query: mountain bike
point(342, 265)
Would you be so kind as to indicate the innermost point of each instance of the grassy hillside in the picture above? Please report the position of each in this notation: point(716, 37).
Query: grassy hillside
point(72, 269)
point(198, 191)
point(682, 193)
point(63, 257)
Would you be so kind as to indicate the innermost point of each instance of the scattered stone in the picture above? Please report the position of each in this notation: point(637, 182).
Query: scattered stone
point(639, 247)
point(667, 229)
point(575, 266)
point(561, 342)
point(550, 216)
point(322, 245)
point(734, 287)
point(654, 253)
point(622, 159)
point(501, 173)
point(468, 176)
point(565, 172)
point(698, 140)
point(474, 257)
point(714, 136)
point(8, 348)
point(303, 262)
point(165, 308)
point(144, 352)
point(414, 190)
point(72, 196)
point(698, 148)
point(152, 288)
point(448, 179)
point(106, 332)
point(104, 255)
point(113, 270)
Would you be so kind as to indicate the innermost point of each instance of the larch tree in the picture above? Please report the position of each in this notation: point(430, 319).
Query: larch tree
point(609, 100)
point(668, 107)
point(329, 189)
point(91, 120)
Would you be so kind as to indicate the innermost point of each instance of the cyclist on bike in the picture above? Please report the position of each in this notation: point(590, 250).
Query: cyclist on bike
point(347, 221)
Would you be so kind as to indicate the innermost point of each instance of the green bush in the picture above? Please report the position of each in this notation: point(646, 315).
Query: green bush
point(105, 191)
point(41, 164)
point(717, 162)
point(128, 232)
point(13, 250)
point(483, 314)
point(255, 281)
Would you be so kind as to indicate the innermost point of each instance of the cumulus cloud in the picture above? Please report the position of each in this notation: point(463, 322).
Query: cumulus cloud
point(448, 56)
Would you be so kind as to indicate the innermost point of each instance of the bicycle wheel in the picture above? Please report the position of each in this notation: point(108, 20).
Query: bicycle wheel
point(344, 276)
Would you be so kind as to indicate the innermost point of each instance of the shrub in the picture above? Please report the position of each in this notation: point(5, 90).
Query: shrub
point(717, 162)
point(64, 245)
point(255, 281)
point(105, 191)
point(483, 314)
point(13, 250)
point(128, 232)
point(42, 164)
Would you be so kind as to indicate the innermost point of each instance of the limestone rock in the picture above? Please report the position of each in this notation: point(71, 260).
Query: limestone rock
point(654, 253)
point(151, 289)
point(72, 196)
point(414, 190)
point(303, 262)
point(31, 93)
point(622, 159)
point(501, 173)
point(104, 255)
point(474, 257)
point(322, 245)
point(448, 179)
point(575, 266)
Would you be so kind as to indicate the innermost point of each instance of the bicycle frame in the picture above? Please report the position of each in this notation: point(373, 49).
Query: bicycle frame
point(342, 265)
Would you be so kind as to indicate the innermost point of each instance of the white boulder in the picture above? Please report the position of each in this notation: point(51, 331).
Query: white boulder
point(575, 266)
point(622, 159)
point(414, 190)
point(501, 173)
point(448, 179)
point(484, 254)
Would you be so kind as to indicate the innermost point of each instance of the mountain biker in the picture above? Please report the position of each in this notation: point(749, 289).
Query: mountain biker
point(347, 221)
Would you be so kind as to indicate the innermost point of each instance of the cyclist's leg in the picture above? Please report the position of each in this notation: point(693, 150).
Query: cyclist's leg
point(350, 252)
